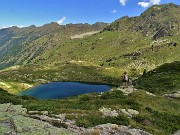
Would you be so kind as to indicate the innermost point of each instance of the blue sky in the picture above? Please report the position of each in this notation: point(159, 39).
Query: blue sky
point(23, 13)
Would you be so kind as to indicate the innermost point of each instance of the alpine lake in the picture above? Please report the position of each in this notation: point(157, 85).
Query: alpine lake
point(59, 90)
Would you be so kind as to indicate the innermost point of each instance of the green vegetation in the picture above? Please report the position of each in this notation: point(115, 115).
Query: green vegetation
point(18, 79)
point(25, 44)
point(139, 45)
point(161, 116)
point(128, 43)
point(161, 80)
point(93, 120)
point(158, 113)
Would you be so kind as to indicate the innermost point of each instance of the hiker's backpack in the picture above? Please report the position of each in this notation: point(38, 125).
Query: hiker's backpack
point(126, 77)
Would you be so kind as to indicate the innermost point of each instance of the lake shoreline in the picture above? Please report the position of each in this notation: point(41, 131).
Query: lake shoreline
point(59, 90)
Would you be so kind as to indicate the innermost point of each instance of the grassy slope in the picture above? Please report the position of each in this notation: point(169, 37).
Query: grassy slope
point(12, 80)
point(161, 80)
point(114, 46)
point(103, 57)
point(121, 46)
point(97, 56)
point(85, 109)
point(21, 45)
point(127, 43)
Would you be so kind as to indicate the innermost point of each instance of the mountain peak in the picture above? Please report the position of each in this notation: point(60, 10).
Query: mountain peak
point(32, 26)
point(156, 22)
point(52, 24)
point(160, 8)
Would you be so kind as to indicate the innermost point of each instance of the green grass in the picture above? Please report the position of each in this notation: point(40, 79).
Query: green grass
point(93, 120)
point(14, 78)
point(164, 79)
point(102, 58)
point(162, 113)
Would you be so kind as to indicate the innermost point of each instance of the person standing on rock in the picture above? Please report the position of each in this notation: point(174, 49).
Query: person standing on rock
point(125, 80)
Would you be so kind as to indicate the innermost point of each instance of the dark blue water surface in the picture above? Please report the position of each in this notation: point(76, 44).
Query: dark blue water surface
point(57, 90)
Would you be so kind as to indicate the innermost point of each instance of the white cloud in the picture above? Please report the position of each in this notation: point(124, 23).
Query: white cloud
point(61, 20)
point(123, 2)
point(114, 11)
point(155, 1)
point(19, 26)
point(150, 2)
point(144, 4)
point(3, 27)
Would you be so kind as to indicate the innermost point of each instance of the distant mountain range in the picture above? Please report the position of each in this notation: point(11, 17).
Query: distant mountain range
point(146, 41)
point(18, 45)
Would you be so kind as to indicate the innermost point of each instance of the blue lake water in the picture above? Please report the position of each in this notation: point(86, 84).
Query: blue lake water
point(57, 90)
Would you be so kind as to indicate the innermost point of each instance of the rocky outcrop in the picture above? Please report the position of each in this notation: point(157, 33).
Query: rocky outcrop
point(108, 112)
point(148, 93)
point(14, 120)
point(129, 112)
point(15, 109)
point(160, 33)
point(173, 95)
point(113, 113)
point(103, 129)
point(177, 133)
point(109, 129)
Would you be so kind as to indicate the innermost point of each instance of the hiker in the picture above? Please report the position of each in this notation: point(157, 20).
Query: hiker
point(125, 80)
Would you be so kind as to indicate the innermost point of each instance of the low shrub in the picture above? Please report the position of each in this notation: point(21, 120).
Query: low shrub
point(93, 120)
point(70, 116)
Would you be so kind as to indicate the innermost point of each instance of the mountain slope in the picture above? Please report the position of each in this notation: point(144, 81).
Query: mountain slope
point(163, 79)
point(102, 57)
point(129, 42)
point(20, 45)
point(156, 22)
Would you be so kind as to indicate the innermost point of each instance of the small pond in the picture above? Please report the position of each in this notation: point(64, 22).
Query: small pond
point(58, 90)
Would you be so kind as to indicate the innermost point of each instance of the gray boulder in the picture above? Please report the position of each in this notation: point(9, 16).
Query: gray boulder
point(173, 95)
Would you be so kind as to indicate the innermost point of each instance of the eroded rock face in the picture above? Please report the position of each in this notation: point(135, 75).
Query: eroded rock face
point(161, 33)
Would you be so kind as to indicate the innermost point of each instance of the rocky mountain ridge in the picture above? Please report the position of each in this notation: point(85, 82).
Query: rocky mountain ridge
point(15, 40)
point(141, 42)
point(156, 22)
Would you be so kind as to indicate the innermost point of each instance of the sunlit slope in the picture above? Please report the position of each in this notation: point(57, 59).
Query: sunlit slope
point(21, 45)
point(140, 42)
point(146, 41)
